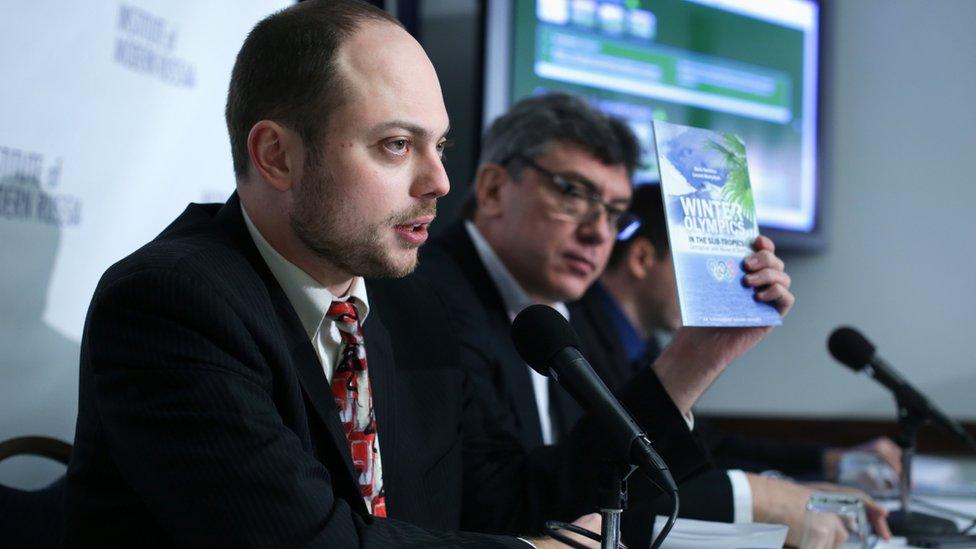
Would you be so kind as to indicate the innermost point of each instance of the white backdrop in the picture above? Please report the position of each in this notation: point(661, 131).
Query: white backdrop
point(111, 121)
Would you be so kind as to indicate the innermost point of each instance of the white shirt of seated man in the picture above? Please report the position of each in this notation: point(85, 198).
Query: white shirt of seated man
point(515, 299)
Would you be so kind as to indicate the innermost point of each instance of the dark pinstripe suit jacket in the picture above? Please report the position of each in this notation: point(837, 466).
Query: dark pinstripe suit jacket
point(452, 265)
point(205, 419)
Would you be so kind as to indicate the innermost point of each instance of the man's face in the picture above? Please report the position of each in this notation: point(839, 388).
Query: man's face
point(552, 257)
point(368, 194)
point(657, 296)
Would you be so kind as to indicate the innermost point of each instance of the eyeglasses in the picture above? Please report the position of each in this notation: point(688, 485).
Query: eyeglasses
point(580, 202)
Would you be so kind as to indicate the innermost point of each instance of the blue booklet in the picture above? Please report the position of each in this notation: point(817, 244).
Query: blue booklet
point(711, 225)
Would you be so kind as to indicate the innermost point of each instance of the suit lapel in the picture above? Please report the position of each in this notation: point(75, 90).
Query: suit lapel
point(597, 320)
point(518, 381)
point(313, 380)
point(602, 345)
point(310, 374)
point(382, 379)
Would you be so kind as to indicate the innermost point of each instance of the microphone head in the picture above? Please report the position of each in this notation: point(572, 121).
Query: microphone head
point(539, 332)
point(851, 348)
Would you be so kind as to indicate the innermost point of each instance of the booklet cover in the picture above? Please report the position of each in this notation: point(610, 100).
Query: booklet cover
point(711, 225)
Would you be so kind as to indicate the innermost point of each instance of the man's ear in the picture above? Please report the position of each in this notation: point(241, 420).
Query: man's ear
point(276, 154)
point(641, 257)
point(488, 183)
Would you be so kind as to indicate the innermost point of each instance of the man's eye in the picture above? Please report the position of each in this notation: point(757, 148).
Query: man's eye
point(614, 215)
point(442, 148)
point(575, 191)
point(398, 146)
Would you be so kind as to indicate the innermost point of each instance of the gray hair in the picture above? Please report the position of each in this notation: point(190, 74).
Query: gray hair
point(532, 125)
point(535, 124)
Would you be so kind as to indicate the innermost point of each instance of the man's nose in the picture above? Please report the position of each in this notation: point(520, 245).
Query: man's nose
point(431, 181)
point(595, 228)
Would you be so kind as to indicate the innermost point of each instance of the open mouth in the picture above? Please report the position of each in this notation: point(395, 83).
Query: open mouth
point(414, 232)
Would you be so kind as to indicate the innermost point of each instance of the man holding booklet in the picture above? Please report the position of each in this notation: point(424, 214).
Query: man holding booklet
point(550, 198)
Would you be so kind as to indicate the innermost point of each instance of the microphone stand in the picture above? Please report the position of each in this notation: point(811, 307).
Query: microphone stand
point(612, 499)
point(905, 522)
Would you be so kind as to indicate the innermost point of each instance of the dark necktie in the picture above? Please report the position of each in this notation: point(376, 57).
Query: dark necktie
point(354, 398)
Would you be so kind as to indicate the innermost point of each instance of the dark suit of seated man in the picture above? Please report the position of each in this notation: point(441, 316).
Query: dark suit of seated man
point(243, 385)
point(551, 196)
point(636, 301)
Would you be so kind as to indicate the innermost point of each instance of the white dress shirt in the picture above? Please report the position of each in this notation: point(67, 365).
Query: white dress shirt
point(515, 299)
point(311, 300)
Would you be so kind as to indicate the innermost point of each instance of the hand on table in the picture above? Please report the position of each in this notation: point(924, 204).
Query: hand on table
point(877, 515)
point(780, 501)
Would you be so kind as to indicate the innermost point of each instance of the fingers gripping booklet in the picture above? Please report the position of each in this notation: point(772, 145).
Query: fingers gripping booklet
point(711, 219)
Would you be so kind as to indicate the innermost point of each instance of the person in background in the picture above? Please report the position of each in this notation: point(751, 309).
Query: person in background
point(551, 196)
point(638, 290)
point(637, 299)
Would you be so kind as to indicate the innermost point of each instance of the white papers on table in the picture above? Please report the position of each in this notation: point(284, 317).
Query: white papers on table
point(700, 534)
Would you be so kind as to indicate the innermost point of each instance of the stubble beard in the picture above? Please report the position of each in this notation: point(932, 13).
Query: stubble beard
point(330, 230)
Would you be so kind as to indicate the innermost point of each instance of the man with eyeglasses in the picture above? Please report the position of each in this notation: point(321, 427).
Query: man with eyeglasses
point(633, 304)
point(551, 196)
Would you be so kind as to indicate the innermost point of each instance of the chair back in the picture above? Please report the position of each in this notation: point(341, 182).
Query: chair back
point(33, 518)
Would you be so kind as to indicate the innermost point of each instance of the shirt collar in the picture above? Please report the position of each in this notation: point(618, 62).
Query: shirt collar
point(310, 299)
point(513, 296)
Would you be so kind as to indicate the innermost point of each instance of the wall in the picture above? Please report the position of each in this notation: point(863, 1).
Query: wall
point(898, 132)
point(450, 31)
point(112, 121)
point(900, 136)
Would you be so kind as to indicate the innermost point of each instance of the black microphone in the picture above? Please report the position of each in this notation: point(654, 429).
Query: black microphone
point(852, 349)
point(548, 344)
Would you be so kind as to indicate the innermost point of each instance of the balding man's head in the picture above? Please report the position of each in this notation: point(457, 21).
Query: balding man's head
point(287, 70)
point(338, 124)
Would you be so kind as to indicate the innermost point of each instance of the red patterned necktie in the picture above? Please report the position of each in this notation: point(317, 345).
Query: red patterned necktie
point(354, 398)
